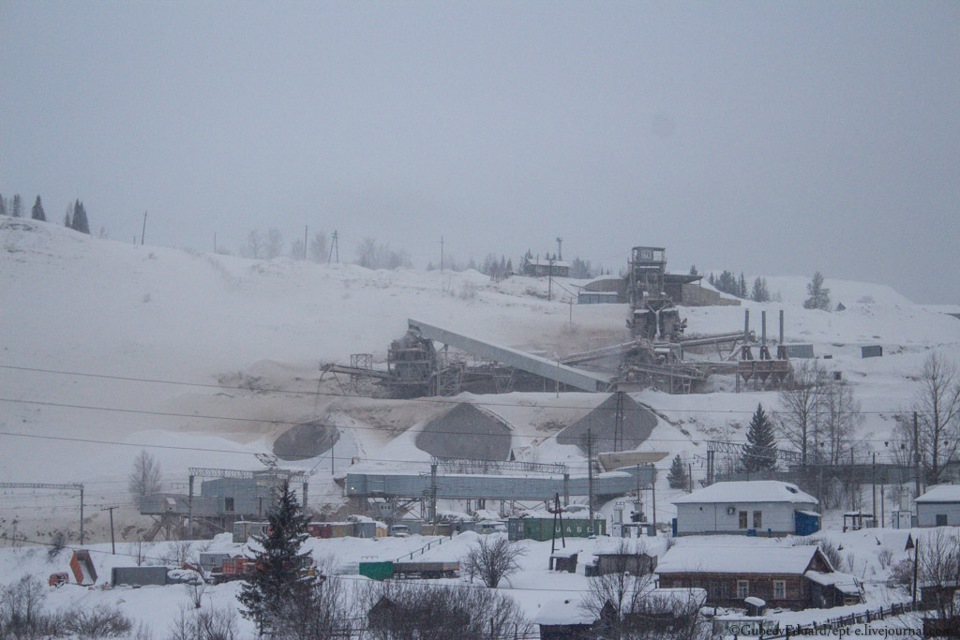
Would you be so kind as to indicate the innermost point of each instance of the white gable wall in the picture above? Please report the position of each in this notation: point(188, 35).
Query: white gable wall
point(927, 513)
point(699, 518)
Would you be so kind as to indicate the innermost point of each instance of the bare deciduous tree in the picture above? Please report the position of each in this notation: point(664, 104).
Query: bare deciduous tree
point(841, 417)
point(318, 613)
point(492, 559)
point(400, 611)
point(144, 479)
point(318, 247)
point(802, 402)
point(208, 624)
point(379, 256)
point(938, 558)
point(255, 245)
point(938, 408)
point(627, 606)
point(274, 243)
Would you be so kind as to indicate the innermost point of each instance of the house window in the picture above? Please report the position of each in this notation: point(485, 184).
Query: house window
point(714, 590)
point(941, 519)
point(743, 588)
point(228, 505)
point(779, 589)
point(724, 590)
point(757, 519)
point(743, 519)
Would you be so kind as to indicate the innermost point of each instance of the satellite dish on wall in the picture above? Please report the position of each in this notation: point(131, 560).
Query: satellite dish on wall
point(731, 510)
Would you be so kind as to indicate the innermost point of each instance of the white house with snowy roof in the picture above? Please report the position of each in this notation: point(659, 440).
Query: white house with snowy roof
point(756, 507)
point(939, 506)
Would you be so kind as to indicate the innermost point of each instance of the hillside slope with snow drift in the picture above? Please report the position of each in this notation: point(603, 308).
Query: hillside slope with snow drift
point(205, 360)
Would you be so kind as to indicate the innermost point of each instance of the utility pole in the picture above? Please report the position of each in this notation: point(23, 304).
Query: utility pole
point(144, 231)
point(916, 453)
point(549, 278)
point(433, 496)
point(305, 227)
point(334, 248)
point(441, 254)
point(589, 441)
point(618, 424)
point(113, 546)
point(875, 487)
point(559, 248)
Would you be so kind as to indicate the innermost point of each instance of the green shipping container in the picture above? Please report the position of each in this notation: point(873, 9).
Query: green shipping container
point(377, 570)
point(541, 529)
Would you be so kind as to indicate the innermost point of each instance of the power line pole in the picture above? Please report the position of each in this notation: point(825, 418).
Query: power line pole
point(441, 254)
point(334, 247)
point(305, 227)
point(113, 546)
point(549, 278)
point(589, 443)
point(618, 424)
point(916, 453)
point(143, 232)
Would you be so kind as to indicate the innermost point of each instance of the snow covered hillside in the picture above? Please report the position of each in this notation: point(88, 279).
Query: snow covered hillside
point(205, 360)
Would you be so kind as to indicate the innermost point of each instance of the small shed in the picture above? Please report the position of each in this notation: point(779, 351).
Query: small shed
point(635, 564)
point(565, 620)
point(564, 560)
point(939, 506)
point(834, 589)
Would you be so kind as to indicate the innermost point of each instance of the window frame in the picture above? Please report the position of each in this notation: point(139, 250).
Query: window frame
point(782, 585)
point(743, 589)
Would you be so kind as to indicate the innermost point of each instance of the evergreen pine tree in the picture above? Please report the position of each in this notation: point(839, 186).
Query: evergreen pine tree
point(37, 213)
point(79, 222)
point(3, 206)
point(742, 286)
point(760, 293)
point(17, 206)
point(677, 478)
point(760, 452)
point(281, 571)
point(819, 295)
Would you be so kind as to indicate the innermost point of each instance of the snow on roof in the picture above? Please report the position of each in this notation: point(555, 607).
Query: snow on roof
point(737, 560)
point(566, 611)
point(941, 493)
point(748, 491)
point(843, 582)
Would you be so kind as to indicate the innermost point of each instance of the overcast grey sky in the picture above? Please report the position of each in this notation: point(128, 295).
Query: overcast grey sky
point(776, 138)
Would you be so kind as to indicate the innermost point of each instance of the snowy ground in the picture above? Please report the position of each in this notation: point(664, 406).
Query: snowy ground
point(534, 587)
point(204, 360)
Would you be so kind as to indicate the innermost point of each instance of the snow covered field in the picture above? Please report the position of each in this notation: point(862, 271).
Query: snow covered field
point(204, 360)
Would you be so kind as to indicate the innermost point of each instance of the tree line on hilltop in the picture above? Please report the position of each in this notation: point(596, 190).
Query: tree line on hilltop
point(75, 217)
point(727, 282)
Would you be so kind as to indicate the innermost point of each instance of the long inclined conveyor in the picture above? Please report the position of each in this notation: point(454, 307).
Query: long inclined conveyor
point(537, 365)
